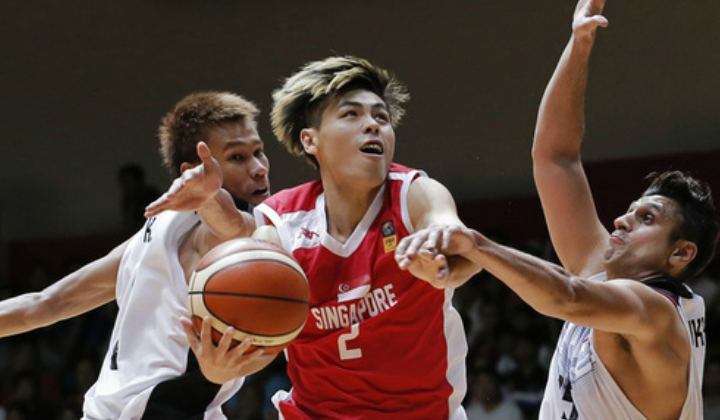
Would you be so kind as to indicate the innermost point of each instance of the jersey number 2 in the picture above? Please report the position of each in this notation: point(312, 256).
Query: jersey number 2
point(345, 352)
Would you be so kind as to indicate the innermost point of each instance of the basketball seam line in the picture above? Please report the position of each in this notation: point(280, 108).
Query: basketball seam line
point(250, 295)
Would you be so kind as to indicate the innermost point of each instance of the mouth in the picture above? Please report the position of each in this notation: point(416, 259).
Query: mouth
point(617, 239)
point(373, 147)
point(261, 192)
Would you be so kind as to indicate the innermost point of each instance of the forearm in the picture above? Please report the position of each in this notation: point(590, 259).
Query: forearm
point(560, 122)
point(81, 291)
point(65, 299)
point(223, 219)
point(546, 287)
point(22, 313)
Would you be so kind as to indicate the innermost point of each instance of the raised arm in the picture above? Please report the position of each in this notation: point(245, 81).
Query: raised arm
point(432, 207)
point(87, 288)
point(570, 214)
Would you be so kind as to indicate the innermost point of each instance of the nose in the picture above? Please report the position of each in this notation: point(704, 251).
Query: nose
point(372, 126)
point(259, 168)
point(622, 223)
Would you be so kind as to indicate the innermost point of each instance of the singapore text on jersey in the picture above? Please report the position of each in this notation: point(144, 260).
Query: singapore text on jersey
point(343, 315)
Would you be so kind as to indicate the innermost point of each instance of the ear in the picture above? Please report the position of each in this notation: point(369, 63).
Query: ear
point(683, 253)
point(308, 138)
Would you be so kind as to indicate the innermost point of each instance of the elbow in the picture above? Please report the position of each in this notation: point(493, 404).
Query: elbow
point(570, 303)
point(566, 300)
point(544, 157)
point(537, 152)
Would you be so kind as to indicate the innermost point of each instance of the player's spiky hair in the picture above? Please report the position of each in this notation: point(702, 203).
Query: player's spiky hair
point(182, 128)
point(299, 103)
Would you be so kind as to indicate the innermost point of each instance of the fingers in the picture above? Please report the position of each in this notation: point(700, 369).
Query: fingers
point(226, 340)
point(590, 23)
point(238, 353)
point(156, 207)
point(408, 248)
point(206, 334)
point(210, 166)
point(443, 269)
point(203, 152)
point(600, 20)
point(415, 245)
point(191, 334)
point(431, 243)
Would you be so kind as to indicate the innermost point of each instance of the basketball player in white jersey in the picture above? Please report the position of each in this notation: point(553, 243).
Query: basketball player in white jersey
point(149, 371)
point(633, 345)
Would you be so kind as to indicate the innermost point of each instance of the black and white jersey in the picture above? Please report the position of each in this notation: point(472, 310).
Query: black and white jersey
point(149, 371)
point(580, 387)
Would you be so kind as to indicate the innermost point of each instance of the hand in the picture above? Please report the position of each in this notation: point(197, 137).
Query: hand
point(220, 363)
point(193, 188)
point(425, 253)
point(588, 18)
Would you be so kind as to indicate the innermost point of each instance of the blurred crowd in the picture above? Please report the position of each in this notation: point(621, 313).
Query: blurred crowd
point(44, 374)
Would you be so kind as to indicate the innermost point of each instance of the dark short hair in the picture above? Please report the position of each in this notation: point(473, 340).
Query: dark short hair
point(698, 222)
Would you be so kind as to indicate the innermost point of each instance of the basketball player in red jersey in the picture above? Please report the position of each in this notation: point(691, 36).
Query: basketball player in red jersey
point(378, 342)
point(147, 372)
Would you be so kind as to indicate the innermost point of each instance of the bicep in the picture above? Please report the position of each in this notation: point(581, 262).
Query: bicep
point(625, 307)
point(429, 202)
point(575, 229)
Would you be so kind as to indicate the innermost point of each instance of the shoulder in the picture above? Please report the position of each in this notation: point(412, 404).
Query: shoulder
point(299, 198)
point(654, 308)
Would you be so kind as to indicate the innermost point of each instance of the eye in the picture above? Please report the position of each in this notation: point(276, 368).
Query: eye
point(349, 113)
point(382, 116)
point(646, 217)
point(259, 153)
point(237, 157)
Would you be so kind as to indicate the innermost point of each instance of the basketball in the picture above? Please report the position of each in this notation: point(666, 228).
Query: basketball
point(254, 286)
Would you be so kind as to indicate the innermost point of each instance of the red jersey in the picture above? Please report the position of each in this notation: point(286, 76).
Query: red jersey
point(378, 342)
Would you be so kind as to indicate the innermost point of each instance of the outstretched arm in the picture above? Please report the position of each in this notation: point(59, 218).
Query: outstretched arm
point(431, 206)
point(625, 307)
point(87, 288)
point(575, 229)
point(200, 189)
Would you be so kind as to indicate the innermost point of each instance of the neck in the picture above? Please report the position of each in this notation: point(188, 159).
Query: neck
point(632, 274)
point(345, 206)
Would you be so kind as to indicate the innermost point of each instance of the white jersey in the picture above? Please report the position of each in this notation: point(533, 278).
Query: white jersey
point(146, 372)
point(580, 387)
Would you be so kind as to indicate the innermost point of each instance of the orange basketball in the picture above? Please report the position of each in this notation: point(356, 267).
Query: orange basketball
point(255, 287)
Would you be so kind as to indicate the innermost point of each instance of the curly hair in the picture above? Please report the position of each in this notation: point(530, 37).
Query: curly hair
point(698, 222)
point(304, 95)
point(182, 128)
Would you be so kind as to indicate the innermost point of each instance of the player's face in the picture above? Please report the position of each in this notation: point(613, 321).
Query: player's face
point(239, 150)
point(355, 141)
point(641, 243)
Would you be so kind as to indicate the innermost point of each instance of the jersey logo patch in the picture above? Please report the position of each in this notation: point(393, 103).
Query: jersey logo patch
point(353, 289)
point(307, 233)
point(389, 236)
